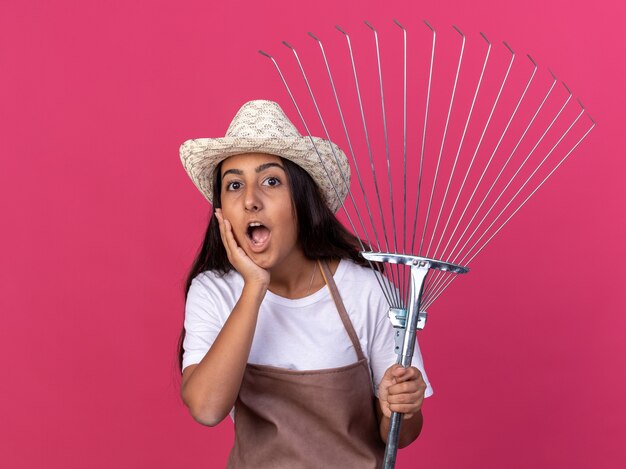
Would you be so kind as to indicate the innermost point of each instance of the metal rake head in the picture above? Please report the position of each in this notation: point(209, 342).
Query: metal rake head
point(448, 137)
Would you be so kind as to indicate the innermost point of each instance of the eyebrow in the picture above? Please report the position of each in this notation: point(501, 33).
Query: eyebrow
point(258, 169)
point(265, 166)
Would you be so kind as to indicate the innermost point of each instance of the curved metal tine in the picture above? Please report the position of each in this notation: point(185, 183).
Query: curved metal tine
point(419, 178)
point(470, 166)
point(457, 253)
point(502, 192)
point(436, 254)
point(369, 148)
point(319, 115)
point(461, 142)
point(390, 298)
point(367, 139)
point(404, 133)
point(522, 165)
point(385, 133)
point(519, 102)
point(395, 267)
point(427, 294)
point(441, 290)
point(404, 291)
point(432, 296)
point(345, 181)
point(345, 129)
point(383, 283)
point(293, 100)
point(443, 140)
point(528, 179)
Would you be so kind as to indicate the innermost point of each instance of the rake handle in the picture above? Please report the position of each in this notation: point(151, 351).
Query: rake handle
point(419, 271)
point(393, 434)
point(391, 450)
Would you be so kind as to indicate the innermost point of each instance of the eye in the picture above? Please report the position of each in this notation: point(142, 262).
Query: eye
point(233, 186)
point(272, 181)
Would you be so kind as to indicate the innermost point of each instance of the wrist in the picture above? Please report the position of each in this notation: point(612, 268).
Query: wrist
point(255, 290)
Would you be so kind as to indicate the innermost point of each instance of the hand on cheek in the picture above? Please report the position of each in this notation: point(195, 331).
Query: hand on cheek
point(237, 256)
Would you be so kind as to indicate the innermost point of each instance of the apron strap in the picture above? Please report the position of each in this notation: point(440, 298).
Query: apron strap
point(343, 314)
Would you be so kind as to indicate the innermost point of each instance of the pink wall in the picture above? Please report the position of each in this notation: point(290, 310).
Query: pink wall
point(100, 223)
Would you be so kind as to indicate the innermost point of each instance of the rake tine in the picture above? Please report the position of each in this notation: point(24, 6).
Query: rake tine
point(445, 133)
point(521, 166)
point(419, 178)
point(478, 145)
point(316, 150)
point(349, 144)
point(404, 292)
point(456, 158)
point(493, 205)
point(293, 100)
point(394, 268)
point(383, 284)
point(527, 180)
point(384, 116)
point(593, 124)
point(457, 253)
point(492, 154)
point(438, 274)
point(367, 139)
point(319, 115)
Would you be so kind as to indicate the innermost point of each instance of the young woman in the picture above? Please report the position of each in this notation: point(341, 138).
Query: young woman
point(285, 328)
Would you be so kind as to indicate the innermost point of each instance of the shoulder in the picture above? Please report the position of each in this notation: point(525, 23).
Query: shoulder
point(360, 289)
point(348, 272)
point(215, 285)
point(210, 278)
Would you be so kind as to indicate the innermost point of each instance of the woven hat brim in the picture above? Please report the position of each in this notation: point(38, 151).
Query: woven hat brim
point(323, 160)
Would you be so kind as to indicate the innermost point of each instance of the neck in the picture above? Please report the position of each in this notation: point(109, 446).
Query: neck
point(297, 279)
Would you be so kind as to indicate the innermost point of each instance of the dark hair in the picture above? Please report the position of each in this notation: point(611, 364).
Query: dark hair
point(320, 234)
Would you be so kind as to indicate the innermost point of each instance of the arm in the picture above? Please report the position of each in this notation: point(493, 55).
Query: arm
point(210, 388)
point(401, 390)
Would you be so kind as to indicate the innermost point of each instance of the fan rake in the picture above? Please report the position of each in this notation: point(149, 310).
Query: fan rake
point(446, 148)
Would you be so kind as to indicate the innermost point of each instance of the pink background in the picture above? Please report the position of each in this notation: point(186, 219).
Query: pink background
point(100, 224)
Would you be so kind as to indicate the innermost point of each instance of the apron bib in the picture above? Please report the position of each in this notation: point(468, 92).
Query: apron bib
point(317, 419)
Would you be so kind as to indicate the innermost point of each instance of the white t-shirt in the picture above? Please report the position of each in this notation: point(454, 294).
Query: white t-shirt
point(302, 334)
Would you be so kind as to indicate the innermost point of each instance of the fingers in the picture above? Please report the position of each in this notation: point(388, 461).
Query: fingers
point(406, 403)
point(237, 256)
point(402, 390)
point(226, 232)
point(233, 250)
point(220, 222)
point(406, 381)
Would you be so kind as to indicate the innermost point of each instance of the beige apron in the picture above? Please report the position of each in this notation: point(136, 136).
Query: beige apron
point(320, 419)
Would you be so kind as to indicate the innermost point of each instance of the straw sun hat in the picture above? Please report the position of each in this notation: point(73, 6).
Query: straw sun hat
point(262, 127)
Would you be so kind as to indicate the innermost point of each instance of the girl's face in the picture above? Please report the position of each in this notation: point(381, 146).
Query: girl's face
point(256, 199)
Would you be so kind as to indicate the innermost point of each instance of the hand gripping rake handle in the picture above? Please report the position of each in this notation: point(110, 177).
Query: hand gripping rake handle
point(407, 322)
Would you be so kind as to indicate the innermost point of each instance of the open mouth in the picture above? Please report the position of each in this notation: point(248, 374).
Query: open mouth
point(258, 234)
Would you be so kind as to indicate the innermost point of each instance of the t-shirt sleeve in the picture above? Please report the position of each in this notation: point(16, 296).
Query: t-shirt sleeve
point(202, 322)
point(382, 353)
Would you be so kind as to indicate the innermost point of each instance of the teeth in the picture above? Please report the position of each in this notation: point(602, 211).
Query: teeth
point(251, 225)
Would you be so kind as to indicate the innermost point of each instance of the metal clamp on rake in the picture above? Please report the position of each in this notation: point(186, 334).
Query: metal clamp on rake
point(406, 321)
point(468, 175)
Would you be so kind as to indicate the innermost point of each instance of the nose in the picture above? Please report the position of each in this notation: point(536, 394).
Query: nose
point(252, 200)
